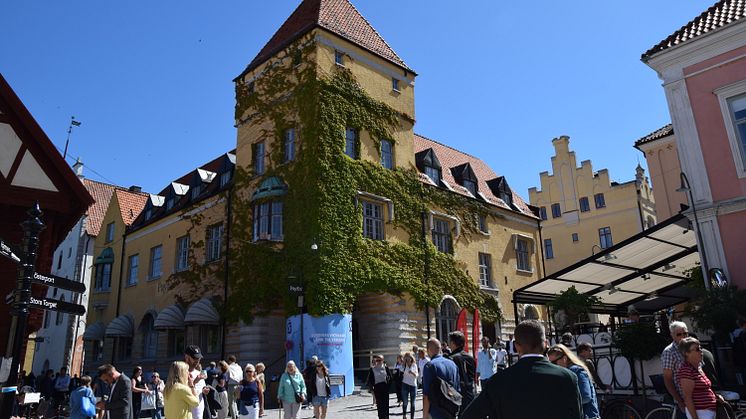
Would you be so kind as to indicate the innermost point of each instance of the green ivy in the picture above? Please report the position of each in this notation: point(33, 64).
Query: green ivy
point(320, 205)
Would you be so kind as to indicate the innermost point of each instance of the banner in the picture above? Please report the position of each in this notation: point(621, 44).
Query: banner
point(461, 325)
point(330, 339)
point(475, 329)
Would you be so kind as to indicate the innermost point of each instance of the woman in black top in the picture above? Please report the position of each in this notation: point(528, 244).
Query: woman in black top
point(138, 388)
point(221, 394)
point(379, 377)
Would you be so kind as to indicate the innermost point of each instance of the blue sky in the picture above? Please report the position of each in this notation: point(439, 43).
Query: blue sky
point(151, 81)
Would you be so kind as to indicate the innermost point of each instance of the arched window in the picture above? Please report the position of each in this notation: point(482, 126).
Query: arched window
point(60, 315)
point(446, 319)
point(149, 337)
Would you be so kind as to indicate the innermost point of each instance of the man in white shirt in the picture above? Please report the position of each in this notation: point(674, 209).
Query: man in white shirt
point(61, 385)
point(422, 360)
point(192, 356)
point(235, 375)
point(486, 361)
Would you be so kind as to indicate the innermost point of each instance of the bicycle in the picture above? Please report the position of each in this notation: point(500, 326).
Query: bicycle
point(665, 411)
point(619, 408)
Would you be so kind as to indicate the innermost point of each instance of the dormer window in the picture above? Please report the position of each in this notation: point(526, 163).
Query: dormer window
point(148, 213)
point(169, 203)
point(500, 188)
point(196, 191)
point(471, 186)
point(433, 174)
point(427, 162)
point(464, 175)
point(225, 178)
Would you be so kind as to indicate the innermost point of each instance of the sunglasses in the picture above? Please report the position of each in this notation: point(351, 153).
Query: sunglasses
point(555, 360)
point(697, 349)
point(682, 334)
point(249, 371)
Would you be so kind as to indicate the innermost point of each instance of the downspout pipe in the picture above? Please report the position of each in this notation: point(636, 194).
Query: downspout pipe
point(226, 275)
point(119, 286)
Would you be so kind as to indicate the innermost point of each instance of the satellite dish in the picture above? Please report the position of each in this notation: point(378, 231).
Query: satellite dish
point(718, 278)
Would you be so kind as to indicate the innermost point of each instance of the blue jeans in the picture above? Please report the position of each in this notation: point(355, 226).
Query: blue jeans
point(156, 413)
point(408, 393)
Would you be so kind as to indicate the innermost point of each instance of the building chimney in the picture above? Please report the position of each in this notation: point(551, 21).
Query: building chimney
point(78, 168)
point(135, 188)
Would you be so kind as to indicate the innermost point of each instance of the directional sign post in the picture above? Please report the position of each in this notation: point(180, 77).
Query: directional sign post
point(57, 305)
point(57, 281)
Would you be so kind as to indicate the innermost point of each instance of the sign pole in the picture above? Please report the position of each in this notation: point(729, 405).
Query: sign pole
point(32, 227)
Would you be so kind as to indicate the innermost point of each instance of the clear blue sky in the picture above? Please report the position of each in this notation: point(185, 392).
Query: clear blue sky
point(151, 81)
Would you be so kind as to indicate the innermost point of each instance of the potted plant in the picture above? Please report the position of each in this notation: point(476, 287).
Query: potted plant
point(571, 307)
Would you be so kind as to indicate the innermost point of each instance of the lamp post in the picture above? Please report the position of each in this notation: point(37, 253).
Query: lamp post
point(686, 187)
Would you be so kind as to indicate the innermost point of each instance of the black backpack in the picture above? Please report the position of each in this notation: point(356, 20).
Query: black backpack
point(444, 397)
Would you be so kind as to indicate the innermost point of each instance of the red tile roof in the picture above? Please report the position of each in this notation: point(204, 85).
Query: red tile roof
point(130, 204)
point(450, 157)
point(101, 193)
point(337, 16)
point(720, 14)
point(655, 135)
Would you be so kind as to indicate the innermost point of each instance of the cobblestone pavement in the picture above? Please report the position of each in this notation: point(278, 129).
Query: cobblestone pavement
point(357, 406)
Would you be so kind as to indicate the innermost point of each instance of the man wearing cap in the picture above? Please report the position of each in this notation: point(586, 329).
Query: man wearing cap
point(192, 356)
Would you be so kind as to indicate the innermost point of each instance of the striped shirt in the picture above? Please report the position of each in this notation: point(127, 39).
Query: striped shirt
point(704, 398)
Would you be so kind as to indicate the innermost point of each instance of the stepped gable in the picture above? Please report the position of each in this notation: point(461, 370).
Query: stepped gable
point(130, 204)
point(720, 14)
point(101, 193)
point(337, 16)
point(450, 157)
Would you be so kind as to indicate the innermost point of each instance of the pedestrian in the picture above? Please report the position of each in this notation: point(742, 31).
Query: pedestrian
point(441, 367)
point(221, 386)
point(156, 387)
point(561, 355)
point(101, 390)
point(409, 384)
point(320, 390)
point(119, 403)
point(585, 353)
point(180, 393)
point(696, 388)
point(379, 377)
point(422, 360)
point(235, 376)
point(397, 374)
point(61, 386)
point(46, 384)
point(138, 388)
point(568, 340)
point(502, 356)
point(466, 366)
point(250, 397)
point(76, 399)
point(308, 376)
point(292, 391)
point(671, 360)
point(486, 361)
point(212, 372)
point(192, 357)
point(260, 376)
point(532, 387)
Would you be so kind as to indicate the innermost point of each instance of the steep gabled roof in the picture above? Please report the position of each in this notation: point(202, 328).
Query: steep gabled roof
point(101, 193)
point(450, 157)
point(655, 135)
point(720, 14)
point(339, 17)
point(130, 204)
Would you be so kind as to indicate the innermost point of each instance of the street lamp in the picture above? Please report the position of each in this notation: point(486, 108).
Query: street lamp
point(607, 257)
point(686, 187)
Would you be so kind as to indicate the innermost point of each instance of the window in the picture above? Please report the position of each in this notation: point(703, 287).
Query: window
point(155, 262)
point(133, 263)
point(60, 315)
point(339, 57)
point(523, 263)
point(149, 337)
point(543, 213)
point(59, 261)
point(600, 201)
point(387, 154)
point(351, 136)
point(103, 277)
point(196, 191)
point(209, 339)
point(289, 144)
point(259, 158)
point(471, 186)
point(169, 202)
point(548, 249)
point(433, 174)
point(585, 206)
point(737, 107)
point(182, 254)
point(225, 177)
point(47, 315)
point(575, 237)
point(69, 252)
point(485, 270)
point(482, 221)
point(148, 213)
point(268, 221)
point(176, 342)
point(395, 84)
point(214, 242)
point(604, 237)
point(556, 211)
point(124, 348)
point(442, 235)
point(372, 220)
point(445, 320)
point(109, 232)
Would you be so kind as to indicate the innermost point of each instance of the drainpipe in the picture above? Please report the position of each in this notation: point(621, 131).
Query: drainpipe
point(119, 287)
point(227, 270)
point(426, 270)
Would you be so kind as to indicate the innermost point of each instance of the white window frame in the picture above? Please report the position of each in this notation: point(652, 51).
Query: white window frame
point(339, 57)
point(531, 249)
point(288, 145)
point(485, 270)
point(390, 153)
point(373, 225)
point(214, 242)
point(182, 253)
point(152, 274)
point(724, 94)
point(132, 274)
point(395, 84)
point(259, 163)
point(355, 143)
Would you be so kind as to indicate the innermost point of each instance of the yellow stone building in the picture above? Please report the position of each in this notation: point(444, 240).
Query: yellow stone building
point(328, 185)
point(583, 211)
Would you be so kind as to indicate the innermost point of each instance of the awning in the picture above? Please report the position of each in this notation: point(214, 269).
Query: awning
point(106, 256)
point(202, 312)
point(171, 317)
point(95, 331)
point(121, 327)
point(647, 270)
point(270, 187)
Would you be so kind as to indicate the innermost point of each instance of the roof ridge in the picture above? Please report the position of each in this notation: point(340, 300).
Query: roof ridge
point(448, 146)
point(373, 28)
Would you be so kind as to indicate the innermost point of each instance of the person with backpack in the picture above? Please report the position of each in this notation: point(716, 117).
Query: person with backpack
point(82, 400)
point(379, 377)
point(467, 367)
point(441, 398)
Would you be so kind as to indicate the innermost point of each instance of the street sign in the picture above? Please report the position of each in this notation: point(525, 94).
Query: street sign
point(296, 289)
point(50, 304)
point(57, 281)
point(6, 249)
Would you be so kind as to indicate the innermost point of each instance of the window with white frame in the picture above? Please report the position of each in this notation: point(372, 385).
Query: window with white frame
point(442, 235)
point(395, 84)
point(182, 253)
point(268, 221)
point(289, 145)
point(737, 108)
point(214, 242)
point(604, 237)
point(109, 232)
point(351, 137)
point(485, 269)
point(103, 277)
point(387, 154)
point(156, 253)
point(259, 156)
point(523, 262)
point(133, 265)
point(372, 220)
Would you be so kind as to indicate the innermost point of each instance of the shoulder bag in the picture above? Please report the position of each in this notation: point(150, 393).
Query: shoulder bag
point(299, 397)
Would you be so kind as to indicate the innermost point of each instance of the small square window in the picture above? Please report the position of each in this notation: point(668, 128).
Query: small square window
point(339, 57)
point(395, 84)
point(575, 237)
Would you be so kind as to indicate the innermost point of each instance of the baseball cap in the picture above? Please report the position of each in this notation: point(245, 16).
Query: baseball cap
point(193, 351)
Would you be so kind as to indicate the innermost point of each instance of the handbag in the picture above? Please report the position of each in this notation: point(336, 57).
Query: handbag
point(88, 407)
point(148, 401)
point(299, 397)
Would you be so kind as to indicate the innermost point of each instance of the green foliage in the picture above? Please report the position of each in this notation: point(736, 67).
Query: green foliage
point(716, 310)
point(321, 207)
point(640, 340)
point(574, 304)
